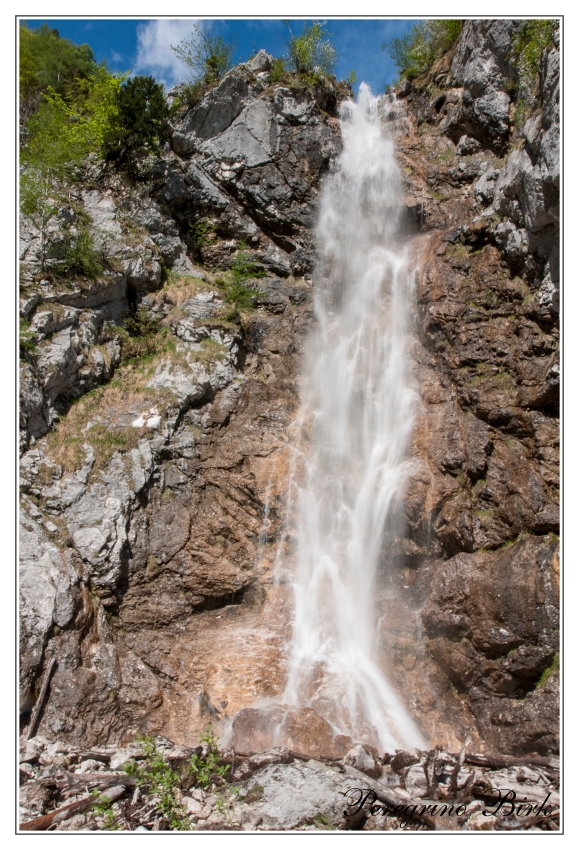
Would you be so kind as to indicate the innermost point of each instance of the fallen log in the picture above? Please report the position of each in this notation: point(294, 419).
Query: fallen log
point(70, 783)
point(534, 821)
point(46, 821)
point(37, 711)
point(512, 761)
point(391, 798)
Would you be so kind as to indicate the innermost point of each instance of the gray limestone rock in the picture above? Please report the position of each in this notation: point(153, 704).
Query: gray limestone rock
point(481, 65)
point(48, 595)
point(293, 795)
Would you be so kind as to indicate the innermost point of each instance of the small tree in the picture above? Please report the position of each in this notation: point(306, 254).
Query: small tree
point(143, 121)
point(312, 51)
point(208, 55)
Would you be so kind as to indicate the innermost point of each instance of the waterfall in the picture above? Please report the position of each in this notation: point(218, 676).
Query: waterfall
point(356, 421)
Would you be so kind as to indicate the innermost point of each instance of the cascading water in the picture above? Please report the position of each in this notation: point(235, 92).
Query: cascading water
point(357, 411)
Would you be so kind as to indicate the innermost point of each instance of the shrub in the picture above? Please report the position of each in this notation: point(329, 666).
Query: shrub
point(278, 70)
point(529, 41)
point(155, 776)
point(60, 136)
point(78, 254)
point(416, 51)
point(205, 767)
point(243, 267)
point(311, 52)
point(208, 55)
point(27, 338)
point(140, 323)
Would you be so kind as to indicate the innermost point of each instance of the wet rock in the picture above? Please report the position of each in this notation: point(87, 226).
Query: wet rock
point(278, 755)
point(404, 758)
point(364, 759)
point(301, 730)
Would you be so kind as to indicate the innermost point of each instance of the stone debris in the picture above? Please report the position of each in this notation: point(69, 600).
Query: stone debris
point(282, 790)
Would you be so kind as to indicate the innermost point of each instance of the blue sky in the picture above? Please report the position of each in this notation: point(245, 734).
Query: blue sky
point(143, 46)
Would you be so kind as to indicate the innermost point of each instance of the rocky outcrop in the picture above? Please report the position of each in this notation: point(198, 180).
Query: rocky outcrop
point(144, 506)
point(482, 506)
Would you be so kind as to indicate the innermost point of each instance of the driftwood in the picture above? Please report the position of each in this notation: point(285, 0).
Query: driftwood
point(430, 773)
point(74, 783)
point(391, 798)
point(46, 821)
point(454, 775)
point(78, 806)
point(533, 821)
point(40, 701)
point(238, 758)
point(551, 763)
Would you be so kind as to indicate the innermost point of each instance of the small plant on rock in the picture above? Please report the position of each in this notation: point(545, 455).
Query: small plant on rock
point(155, 776)
point(207, 765)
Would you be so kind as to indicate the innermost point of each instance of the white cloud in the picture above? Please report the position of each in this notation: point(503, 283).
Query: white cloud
point(154, 54)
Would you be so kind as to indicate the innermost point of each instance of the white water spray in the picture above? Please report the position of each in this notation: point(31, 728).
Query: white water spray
point(358, 412)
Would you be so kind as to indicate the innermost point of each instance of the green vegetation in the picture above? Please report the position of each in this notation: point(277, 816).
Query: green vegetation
point(47, 60)
point(254, 794)
point(141, 338)
point(322, 822)
point(204, 230)
point(142, 122)
point(529, 41)
point(60, 136)
point(278, 70)
point(78, 254)
point(311, 53)
point(205, 767)
point(243, 267)
point(155, 776)
point(102, 806)
point(551, 670)
point(141, 323)
point(27, 338)
point(415, 52)
point(93, 420)
point(208, 56)
point(75, 112)
point(234, 288)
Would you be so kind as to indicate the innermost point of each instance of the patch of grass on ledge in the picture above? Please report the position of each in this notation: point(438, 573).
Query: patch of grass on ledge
point(549, 671)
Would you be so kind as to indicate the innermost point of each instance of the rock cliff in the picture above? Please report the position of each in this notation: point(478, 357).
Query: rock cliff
point(153, 478)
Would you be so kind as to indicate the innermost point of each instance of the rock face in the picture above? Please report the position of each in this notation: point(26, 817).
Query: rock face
point(154, 482)
point(481, 552)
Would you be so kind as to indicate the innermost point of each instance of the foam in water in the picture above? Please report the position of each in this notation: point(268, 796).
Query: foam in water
point(357, 412)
